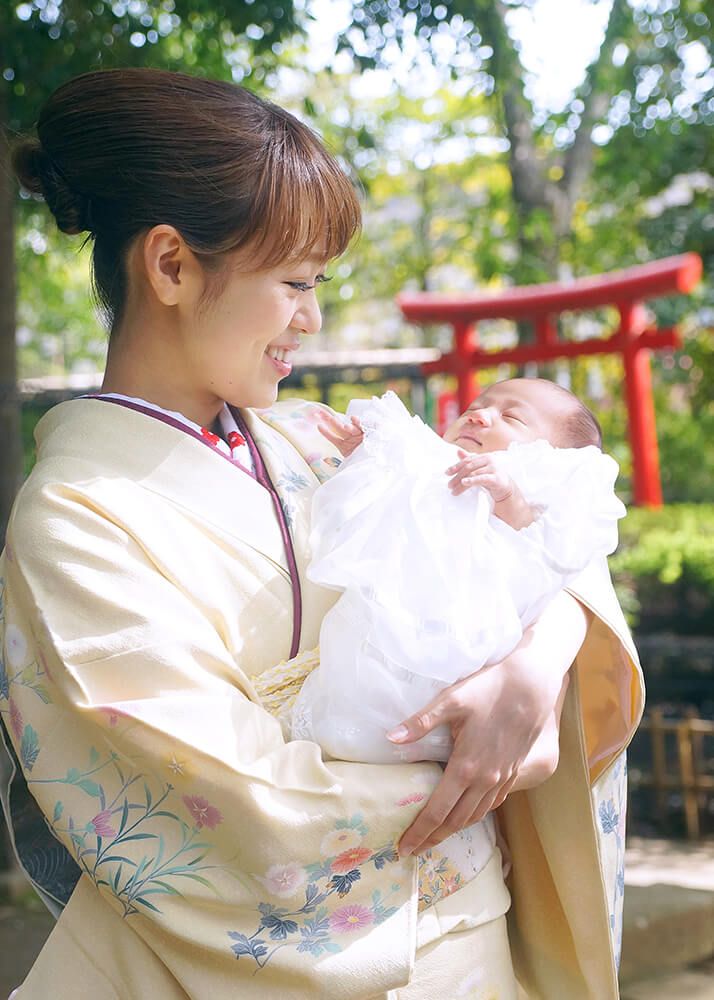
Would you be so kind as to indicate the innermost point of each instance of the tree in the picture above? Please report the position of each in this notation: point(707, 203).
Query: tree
point(640, 76)
point(44, 43)
point(566, 190)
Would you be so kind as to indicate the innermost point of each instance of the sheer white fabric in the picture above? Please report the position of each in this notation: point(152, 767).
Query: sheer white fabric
point(434, 586)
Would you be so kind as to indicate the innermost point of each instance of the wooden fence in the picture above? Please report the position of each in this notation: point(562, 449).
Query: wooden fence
point(679, 765)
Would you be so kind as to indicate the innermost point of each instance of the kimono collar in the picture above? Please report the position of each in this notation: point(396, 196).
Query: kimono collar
point(233, 445)
point(239, 449)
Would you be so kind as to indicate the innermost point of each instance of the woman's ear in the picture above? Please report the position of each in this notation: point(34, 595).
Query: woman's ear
point(172, 269)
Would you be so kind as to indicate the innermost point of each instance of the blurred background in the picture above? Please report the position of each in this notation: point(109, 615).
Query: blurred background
point(496, 143)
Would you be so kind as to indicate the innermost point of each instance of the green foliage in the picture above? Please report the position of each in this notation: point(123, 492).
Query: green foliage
point(440, 206)
point(58, 329)
point(47, 43)
point(664, 568)
point(29, 415)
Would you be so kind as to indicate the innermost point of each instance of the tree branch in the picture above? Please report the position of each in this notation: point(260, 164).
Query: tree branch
point(527, 173)
point(579, 157)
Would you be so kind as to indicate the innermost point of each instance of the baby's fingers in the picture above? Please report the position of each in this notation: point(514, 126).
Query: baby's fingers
point(487, 481)
point(469, 462)
point(335, 420)
point(335, 435)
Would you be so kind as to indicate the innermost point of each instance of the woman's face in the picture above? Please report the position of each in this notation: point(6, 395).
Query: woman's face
point(240, 345)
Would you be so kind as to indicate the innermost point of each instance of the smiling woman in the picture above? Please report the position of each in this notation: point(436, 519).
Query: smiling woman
point(154, 580)
point(120, 151)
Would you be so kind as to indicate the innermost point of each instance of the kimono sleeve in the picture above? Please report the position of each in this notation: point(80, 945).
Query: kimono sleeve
point(248, 865)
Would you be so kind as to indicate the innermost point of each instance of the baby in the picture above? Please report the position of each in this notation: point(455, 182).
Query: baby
point(444, 551)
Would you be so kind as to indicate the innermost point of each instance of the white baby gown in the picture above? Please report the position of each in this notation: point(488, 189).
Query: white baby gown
point(434, 586)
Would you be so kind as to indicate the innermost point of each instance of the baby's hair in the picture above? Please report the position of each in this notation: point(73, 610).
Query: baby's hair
point(582, 428)
point(121, 150)
point(578, 426)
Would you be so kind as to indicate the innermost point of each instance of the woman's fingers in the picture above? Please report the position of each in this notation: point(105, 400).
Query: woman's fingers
point(461, 774)
point(461, 798)
point(432, 817)
point(436, 713)
point(432, 826)
point(494, 798)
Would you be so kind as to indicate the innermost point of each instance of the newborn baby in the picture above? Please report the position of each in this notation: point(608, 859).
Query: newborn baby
point(444, 550)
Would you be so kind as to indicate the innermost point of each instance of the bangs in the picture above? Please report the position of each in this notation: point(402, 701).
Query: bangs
point(305, 204)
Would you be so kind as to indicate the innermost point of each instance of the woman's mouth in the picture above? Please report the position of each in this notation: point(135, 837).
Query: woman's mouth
point(281, 359)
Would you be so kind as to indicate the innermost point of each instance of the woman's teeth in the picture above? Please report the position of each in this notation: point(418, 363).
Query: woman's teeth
point(278, 353)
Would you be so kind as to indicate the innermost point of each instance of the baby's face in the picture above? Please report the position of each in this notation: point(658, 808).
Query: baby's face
point(518, 409)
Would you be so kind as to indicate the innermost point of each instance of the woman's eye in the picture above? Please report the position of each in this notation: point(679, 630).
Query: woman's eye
point(304, 286)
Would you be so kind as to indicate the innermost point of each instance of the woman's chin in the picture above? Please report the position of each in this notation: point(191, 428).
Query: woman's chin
point(260, 397)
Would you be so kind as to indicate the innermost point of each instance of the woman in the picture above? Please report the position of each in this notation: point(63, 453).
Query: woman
point(154, 573)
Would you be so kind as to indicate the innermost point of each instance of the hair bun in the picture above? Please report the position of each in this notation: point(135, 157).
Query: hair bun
point(39, 174)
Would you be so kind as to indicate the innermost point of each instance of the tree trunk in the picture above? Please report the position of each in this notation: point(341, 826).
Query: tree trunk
point(11, 450)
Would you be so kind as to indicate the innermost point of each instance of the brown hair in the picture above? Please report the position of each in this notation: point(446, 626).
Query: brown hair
point(122, 150)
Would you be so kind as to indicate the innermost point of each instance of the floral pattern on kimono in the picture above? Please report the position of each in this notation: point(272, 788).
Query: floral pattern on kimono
point(302, 418)
point(144, 839)
point(610, 805)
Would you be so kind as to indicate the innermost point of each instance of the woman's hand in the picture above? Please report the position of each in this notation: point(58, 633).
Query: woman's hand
point(496, 715)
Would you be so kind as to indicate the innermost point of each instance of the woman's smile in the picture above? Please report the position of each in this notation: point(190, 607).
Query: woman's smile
point(281, 357)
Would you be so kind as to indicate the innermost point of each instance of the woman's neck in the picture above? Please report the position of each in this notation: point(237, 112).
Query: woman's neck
point(142, 366)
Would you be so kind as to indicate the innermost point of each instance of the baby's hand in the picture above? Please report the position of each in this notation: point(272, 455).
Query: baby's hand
point(480, 470)
point(346, 436)
point(509, 504)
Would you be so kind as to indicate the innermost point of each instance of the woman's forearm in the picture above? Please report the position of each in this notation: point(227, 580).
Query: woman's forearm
point(542, 759)
point(549, 646)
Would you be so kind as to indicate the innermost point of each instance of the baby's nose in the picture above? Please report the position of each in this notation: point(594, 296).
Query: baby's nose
point(480, 416)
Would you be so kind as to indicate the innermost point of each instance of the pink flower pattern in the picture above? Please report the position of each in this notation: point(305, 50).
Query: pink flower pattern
point(284, 880)
point(16, 722)
point(203, 813)
point(410, 800)
point(351, 918)
point(112, 714)
point(313, 926)
point(102, 824)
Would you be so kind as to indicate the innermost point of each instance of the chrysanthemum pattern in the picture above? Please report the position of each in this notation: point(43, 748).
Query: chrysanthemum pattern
point(316, 926)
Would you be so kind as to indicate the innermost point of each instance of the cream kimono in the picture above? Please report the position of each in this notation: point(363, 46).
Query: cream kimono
point(146, 584)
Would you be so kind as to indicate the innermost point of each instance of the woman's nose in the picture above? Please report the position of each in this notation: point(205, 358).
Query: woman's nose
point(308, 317)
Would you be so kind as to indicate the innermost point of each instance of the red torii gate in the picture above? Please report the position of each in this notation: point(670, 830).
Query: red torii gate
point(633, 339)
